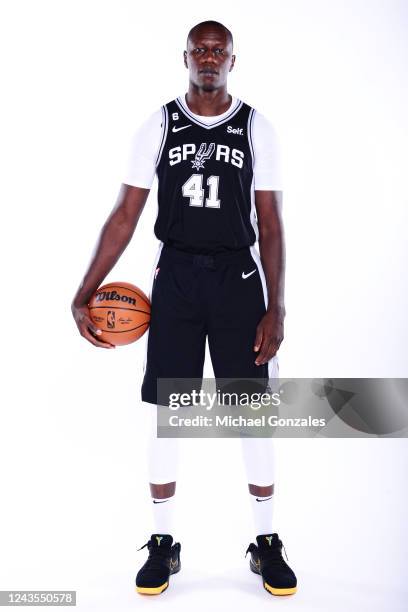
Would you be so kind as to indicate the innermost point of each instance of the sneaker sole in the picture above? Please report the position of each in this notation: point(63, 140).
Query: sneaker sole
point(275, 591)
point(271, 589)
point(152, 590)
point(159, 589)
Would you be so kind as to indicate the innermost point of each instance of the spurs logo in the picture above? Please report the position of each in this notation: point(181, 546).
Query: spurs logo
point(269, 538)
point(159, 539)
point(202, 155)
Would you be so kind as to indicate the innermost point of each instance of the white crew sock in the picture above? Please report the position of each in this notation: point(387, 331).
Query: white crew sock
point(162, 468)
point(262, 509)
point(163, 515)
point(259, 460)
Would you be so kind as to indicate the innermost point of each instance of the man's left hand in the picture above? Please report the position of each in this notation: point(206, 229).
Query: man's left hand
point(269, 335)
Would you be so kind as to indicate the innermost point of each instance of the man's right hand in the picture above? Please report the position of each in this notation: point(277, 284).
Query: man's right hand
point(87, 328)
point(113, 239)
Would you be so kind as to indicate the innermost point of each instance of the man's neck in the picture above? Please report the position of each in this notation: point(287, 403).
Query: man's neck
point(208, 103)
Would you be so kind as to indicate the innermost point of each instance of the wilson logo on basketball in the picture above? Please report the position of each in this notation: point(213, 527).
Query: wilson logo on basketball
point(121, 311)
point(114, 295)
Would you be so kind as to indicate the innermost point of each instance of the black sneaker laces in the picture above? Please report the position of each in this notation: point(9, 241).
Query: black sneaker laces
point(157, 556)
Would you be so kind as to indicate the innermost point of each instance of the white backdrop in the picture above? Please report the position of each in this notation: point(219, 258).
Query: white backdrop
point(77, 79)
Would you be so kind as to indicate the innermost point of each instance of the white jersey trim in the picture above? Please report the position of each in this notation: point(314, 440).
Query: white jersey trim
point(192, 117)
point(165, 126)
point(253, 217)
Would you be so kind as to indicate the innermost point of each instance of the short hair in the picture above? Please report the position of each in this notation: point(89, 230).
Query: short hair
point(214, 24)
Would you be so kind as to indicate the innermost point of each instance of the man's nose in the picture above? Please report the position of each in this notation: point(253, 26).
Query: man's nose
point(209, 55)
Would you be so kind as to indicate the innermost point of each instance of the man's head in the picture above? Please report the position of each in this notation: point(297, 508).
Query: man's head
point(209, 56)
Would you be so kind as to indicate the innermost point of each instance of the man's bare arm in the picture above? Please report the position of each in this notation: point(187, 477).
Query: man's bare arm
point(114, 237)
point(272, 252)
point(271, 244)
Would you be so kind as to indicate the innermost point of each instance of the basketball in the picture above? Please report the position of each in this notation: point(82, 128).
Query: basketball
point(121, 311)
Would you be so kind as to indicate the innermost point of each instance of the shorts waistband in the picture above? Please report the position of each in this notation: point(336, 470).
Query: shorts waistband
point(201, 260)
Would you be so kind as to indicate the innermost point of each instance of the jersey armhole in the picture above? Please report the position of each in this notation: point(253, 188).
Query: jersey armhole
point(251, 135)
point(164, 126)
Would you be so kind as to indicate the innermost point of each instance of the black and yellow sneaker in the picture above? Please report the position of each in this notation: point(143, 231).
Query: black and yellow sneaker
point(266, 559)
point(163, 560)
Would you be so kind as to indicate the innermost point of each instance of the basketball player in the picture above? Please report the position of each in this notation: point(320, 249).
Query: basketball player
point(219, 191)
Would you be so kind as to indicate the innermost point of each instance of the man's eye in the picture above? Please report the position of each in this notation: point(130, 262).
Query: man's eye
point(219, 51)
point(198, 49)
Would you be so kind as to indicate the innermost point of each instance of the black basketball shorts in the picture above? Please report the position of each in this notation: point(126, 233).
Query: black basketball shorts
point(222, 296)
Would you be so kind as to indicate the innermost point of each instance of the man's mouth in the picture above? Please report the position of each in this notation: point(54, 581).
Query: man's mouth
point(208, 72)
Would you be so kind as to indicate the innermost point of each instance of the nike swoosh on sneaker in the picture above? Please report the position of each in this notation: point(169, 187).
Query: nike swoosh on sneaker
point(183, 127)
point(266, 499)
point(249, 274)
point(160, 502)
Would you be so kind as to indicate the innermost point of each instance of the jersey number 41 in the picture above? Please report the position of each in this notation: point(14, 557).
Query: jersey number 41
point(193, 189)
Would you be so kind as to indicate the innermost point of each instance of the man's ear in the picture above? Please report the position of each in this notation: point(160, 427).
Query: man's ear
point(185, 58)
point(232, 62)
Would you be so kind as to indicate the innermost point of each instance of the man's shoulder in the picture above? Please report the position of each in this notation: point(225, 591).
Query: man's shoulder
point(245, 104)
point(259, 118)
point(262, 120)
point(171, 103)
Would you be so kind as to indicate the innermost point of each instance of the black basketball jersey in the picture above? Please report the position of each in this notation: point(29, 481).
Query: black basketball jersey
point(206, 200)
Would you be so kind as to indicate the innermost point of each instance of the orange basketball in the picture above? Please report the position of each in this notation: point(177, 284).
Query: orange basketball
point(121, 311)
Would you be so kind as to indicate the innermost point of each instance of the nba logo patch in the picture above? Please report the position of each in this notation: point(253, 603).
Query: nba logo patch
point(156, 273)
point(110, 319)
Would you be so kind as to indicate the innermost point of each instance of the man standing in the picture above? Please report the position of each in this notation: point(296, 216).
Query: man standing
point(219, 192)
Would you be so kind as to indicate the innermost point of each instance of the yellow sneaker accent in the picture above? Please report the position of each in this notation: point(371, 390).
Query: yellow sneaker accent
point(275, 591)
point(173, 564)
point(152, 590)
